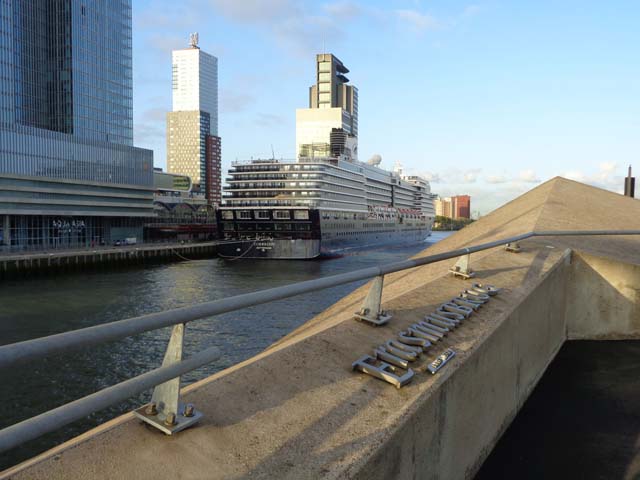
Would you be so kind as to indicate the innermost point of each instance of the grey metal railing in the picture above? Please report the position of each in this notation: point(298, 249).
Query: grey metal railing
point(16, 353)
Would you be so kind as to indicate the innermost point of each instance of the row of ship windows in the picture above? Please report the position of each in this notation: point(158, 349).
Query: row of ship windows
point(238, 193)
point(287, 176)
point(288, 185)
point(266, 227)
point(265, 214)
point(250, 169)
point(363, 216)
point(392, 230)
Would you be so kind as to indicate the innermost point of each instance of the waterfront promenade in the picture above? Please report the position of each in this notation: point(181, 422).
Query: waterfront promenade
point(297, 410)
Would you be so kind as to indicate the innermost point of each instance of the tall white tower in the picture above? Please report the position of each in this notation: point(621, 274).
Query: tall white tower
point(195, 82)
point(193, 144)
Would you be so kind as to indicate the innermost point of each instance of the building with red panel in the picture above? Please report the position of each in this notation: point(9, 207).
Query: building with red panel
point(461, 206)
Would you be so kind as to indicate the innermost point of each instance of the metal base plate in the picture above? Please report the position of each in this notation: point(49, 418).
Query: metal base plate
point(182, 422)
point(461, 274)
point(379, 320)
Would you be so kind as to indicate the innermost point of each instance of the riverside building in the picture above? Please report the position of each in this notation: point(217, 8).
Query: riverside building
point(193, 144)
point(69, 173)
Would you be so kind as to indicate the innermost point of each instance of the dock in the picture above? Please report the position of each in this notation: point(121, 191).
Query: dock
point(299, 411)
point(16, 264)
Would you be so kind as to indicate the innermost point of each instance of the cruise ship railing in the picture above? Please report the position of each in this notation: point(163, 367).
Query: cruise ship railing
point(165, 412)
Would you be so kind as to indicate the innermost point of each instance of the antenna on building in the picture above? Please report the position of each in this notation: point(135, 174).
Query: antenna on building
point(193, 39)
point(273, 154)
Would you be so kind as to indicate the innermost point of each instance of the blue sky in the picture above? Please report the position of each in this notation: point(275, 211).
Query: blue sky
point(487, 98)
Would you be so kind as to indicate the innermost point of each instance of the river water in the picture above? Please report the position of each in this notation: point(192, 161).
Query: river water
point(53, 304)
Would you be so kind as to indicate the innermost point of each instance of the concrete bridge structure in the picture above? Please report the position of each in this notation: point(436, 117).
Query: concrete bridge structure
point(298, 411)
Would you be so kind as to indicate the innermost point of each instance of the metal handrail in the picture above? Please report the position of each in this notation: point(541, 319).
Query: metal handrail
point(20, 352)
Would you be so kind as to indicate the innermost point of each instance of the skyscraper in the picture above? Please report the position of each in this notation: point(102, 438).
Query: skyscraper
point(329, 127)
point(66, 122)
point(193, 144)
point(456, 207)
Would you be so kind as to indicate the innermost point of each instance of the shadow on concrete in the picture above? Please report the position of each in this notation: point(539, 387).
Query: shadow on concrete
point(603, 295)
point(581, 421)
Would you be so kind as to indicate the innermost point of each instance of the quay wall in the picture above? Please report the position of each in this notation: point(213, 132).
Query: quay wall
point(21, 265)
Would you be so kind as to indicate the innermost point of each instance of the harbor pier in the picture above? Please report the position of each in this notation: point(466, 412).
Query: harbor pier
point(298, 410)
point(19, 264)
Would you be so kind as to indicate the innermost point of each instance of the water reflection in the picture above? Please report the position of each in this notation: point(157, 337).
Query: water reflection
point(48, 305)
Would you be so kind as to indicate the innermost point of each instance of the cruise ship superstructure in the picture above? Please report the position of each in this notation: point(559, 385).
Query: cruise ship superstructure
point(325, 202)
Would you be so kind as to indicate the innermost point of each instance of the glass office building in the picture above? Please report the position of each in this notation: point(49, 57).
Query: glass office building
point(66, 122)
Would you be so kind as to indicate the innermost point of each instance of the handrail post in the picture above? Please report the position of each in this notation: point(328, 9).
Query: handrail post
point(165, 412)
point(370, 311)
point(462, 268)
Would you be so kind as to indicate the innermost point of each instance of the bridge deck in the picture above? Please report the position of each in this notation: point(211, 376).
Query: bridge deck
point(298, 411)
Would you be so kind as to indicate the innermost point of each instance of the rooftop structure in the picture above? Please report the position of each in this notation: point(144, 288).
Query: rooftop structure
point(330, 125)
point(195, 82)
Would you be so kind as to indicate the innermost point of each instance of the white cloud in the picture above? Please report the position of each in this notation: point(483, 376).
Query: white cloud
point(494, 179)
point(528, 176)
point(605, 177)
point(292, 23)
point(575, 175)
point(344, 10)
point(608, 167)
point(164, 44)
point(256, 11)
point(432, 177)
point(470, 176)
point(418, 22)
point(452, 176)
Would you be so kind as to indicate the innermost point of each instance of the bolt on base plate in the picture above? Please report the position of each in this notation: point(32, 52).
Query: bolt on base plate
point(181, 422)
point(512, 247)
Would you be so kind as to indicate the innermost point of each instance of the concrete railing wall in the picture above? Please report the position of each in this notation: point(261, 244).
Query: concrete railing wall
point(451, 432)
point(603, 300)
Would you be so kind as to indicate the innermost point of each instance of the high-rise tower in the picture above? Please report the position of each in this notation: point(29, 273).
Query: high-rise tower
point(329, 127)
point(193, 144)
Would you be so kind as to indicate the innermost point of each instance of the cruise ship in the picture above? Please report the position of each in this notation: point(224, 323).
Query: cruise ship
point(320, 207)
point(325, 202)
